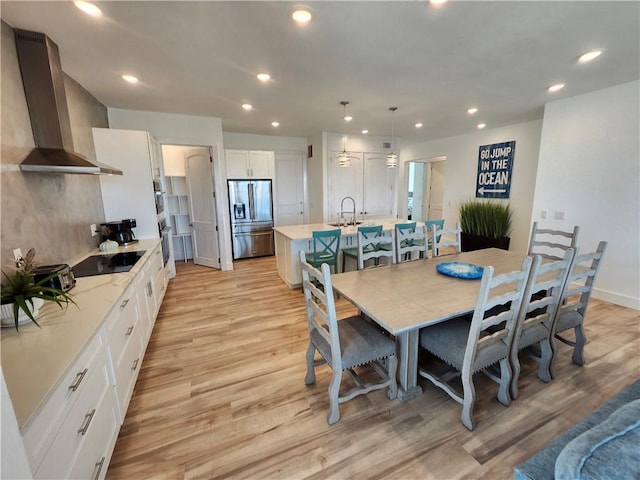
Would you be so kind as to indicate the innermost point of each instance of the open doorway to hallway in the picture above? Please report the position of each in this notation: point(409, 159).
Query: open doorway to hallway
point(425, 187)
point(191, 209)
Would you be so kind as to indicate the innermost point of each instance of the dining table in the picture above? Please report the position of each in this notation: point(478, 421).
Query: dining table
point(405, 297)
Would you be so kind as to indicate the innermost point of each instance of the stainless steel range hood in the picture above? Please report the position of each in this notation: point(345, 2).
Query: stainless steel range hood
point(43, 81)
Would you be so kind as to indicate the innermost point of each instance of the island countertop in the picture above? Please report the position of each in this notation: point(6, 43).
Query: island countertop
point(304, 232)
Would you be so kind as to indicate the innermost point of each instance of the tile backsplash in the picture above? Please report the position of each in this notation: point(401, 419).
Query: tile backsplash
point(49, 212)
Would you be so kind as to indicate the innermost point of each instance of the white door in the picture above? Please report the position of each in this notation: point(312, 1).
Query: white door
point(378, 187)
point(289, 192)
point(202, 207)
point(436, 189)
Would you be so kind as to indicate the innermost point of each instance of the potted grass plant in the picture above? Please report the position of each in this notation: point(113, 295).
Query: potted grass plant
point(21, 296)
point(485, 224)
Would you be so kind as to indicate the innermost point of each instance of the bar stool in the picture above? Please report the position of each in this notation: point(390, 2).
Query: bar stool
point(326, 245)
point(368, 232)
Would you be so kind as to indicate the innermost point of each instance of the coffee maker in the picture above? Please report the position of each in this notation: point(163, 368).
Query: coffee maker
point(120, 232)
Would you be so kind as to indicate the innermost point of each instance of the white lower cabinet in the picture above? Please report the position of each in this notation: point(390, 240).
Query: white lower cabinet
point(75, 430)
point(125, 332)
point(91, 415)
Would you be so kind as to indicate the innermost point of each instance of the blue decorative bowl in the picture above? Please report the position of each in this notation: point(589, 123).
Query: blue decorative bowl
point(467, 271)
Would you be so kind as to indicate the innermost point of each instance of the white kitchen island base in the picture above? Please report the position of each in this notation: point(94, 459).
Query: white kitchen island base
point(291, 239)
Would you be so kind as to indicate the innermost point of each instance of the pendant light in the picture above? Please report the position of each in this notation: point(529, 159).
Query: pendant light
point(392, 158)
point(344, 159)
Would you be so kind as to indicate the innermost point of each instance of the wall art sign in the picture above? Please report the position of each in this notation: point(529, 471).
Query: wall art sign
point(495, 163)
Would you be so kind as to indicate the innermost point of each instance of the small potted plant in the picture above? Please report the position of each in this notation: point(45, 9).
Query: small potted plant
point(22, 296)
point(485, 224)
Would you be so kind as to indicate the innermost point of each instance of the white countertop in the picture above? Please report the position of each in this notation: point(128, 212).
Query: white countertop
point(34, 359)
point(303, 232)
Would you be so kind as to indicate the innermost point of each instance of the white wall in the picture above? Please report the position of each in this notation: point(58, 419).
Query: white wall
point(462, 166)
point(589, 169)
point(173, 160)
point(246, 141)
point(188, 130)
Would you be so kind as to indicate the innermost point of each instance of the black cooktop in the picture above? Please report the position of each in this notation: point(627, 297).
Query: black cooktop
point(106, 263)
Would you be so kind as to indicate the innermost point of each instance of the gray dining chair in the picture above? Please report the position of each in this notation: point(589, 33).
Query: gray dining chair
point(551, 243)
point(376, 249)
point(408, 242)
point(446, 237)
point(575, 300)
point(471, 347)
point(343, 344)
point(538, 314)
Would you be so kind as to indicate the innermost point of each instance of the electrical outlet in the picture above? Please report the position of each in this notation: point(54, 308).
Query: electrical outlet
point(558, 216)
point(93, 230)
point(543, 214)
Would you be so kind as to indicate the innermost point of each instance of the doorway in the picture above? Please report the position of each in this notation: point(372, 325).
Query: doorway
point(425, 189)
point(189, 184)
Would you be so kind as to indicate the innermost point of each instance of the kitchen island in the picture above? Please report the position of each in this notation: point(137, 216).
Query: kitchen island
point(291, 239)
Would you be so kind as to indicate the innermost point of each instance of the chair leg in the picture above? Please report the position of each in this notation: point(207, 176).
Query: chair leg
point(515, 365)
point(334, 392)
point(468, 400)
point(310, 378)
point(505, 382)
point(392, 367)
point(546, 356)
point(578, 350)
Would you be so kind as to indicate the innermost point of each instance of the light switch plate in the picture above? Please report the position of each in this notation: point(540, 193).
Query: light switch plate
point(558, 216)
point(93, 230)
point(17, 254)
point(543, 214)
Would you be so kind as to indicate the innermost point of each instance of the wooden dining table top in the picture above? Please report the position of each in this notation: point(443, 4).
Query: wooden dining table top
point(414, 294)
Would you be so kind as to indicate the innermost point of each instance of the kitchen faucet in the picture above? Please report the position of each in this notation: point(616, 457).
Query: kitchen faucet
point(353, 219)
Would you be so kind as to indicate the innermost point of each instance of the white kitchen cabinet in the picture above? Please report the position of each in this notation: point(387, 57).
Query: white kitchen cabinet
point(367, 180)
point(130, 195)
point(126, 339)
point(179, 218)
point(82, 407)
point(243, 164)
point(289, 189)
point(72, 432)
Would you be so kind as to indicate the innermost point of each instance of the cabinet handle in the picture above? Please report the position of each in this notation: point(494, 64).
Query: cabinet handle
point(87, 421)
point(149, 289)
point(135, 364)
point(129, 330)
point(99, 467)
point(124, 304)
point(79, 376)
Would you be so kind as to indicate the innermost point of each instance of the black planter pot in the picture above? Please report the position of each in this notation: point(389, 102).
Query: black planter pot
point(476, 242)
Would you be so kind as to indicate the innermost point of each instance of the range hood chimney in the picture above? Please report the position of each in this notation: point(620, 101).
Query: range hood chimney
point(43, 81)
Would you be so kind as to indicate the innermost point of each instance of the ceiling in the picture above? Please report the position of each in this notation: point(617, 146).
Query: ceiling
point(202, 57)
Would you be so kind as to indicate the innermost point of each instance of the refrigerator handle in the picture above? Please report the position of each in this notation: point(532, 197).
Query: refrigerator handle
point(252, 208)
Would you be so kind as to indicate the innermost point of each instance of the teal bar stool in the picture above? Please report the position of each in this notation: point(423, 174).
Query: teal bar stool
point(428, 224)
point(326, 245)
point(368, 232)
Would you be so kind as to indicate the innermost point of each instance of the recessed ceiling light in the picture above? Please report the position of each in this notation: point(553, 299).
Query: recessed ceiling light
point(418, 125)
point(348, 118)
point(556, 87)
point(302, 15)
point(365, 131)
point(88, 8)
point(472, 110)
point(130, 78)
point(587, 57)
point(247, 106)
point(275, 124)
point(481, 125)
point(264, 77)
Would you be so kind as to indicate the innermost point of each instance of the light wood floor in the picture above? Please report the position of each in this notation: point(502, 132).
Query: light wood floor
point(221, 394)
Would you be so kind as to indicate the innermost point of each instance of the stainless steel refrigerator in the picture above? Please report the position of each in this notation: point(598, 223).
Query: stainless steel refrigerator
point(251, 209)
